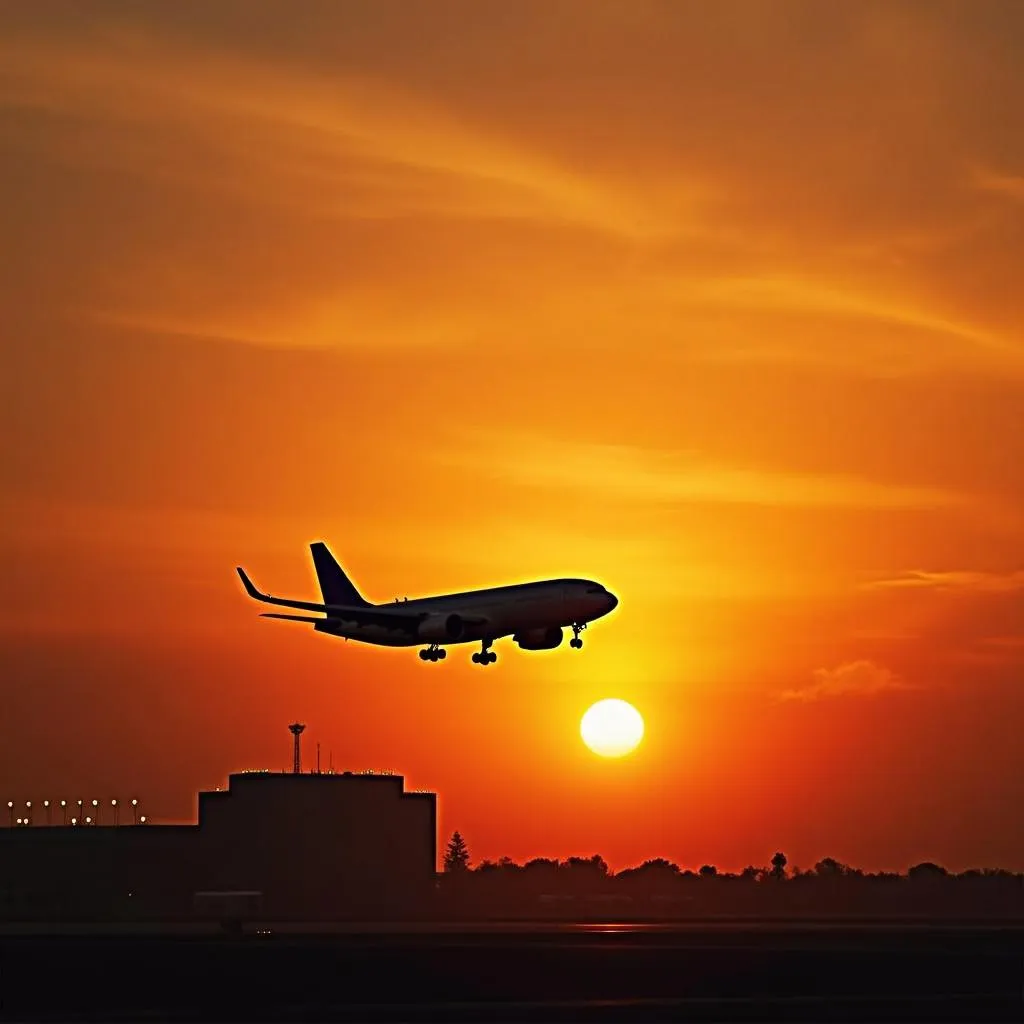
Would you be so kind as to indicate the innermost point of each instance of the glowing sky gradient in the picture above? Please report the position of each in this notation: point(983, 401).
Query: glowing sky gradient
point(720, 304)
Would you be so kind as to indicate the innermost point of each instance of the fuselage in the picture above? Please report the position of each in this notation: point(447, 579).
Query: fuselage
point(522, 608)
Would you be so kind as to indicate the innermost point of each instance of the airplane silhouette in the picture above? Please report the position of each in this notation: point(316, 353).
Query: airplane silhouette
point(533, 614)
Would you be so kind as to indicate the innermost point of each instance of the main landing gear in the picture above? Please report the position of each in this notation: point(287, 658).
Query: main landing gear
point(485, 656)
point(577, 628)
point(433, 653)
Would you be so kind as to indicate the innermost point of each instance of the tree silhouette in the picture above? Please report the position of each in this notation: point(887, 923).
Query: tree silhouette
point(595, 864)
point(456, 856)
point(779, 863)
point(829, 867)
point(925, 871)
point(659, 864)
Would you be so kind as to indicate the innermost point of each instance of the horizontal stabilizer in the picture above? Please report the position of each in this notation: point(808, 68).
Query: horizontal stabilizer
point(258, 595)
point(394, 618)
point(398, 618)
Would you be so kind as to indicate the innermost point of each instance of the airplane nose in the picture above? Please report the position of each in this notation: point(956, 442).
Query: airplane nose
point(612, 600)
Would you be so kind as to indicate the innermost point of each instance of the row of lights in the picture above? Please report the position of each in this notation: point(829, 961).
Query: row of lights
point(79, 818)
point(74, 821)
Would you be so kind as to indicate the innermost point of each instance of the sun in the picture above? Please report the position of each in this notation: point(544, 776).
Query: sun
point(612, 728)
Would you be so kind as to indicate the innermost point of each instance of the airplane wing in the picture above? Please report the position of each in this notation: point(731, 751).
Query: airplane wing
point(394, 618)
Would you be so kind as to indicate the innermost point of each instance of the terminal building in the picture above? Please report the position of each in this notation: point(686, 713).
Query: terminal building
point(299, 847)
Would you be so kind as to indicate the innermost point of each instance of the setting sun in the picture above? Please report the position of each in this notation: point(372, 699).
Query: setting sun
point(612, 728)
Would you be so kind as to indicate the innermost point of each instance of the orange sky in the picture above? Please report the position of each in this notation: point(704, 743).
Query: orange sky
point(720, 304)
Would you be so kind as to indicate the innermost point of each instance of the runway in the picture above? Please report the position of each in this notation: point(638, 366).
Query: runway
point(590, 972)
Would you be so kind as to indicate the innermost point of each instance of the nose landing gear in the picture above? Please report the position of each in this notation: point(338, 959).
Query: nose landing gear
point(577, 628)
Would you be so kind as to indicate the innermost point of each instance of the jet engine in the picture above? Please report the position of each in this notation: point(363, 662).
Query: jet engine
point(439, 629)
point(539, 639)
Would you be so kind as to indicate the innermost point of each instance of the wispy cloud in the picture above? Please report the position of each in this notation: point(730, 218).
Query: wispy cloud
point(854, 678)
point(1009, 186)
point(351, 144)
point(337, 144)
point(1010, 643)
point(632, 473)
point(897, 333)
point(953, 580)
point(790, 292)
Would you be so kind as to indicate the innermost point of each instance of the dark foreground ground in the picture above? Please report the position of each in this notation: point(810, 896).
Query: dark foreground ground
point(588, 972)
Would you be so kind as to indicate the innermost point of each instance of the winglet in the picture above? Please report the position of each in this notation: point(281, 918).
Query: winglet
point(248, 584)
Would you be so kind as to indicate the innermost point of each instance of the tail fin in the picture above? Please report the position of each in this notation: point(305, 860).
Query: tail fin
point(336, 587)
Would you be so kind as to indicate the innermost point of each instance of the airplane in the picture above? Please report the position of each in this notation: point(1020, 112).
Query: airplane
point(533, 614)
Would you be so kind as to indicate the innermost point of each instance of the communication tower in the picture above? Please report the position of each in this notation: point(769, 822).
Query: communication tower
point(296, 729)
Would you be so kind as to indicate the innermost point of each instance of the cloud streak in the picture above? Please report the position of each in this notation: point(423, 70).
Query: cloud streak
point(352, 144)
point(772, 292)
point(1008, 186)
point(630, 473)
point(374, 141)
point(966, 581)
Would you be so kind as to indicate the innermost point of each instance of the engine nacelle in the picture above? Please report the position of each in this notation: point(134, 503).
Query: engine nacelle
point(539, 639)
point(440, 629)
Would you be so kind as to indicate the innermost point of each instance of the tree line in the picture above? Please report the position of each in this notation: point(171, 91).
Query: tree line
point(830, 886)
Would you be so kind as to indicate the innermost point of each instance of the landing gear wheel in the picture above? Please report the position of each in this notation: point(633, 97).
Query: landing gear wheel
point(441, 654)
point(433, 654)
point(576, 642)
point(485, 657)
